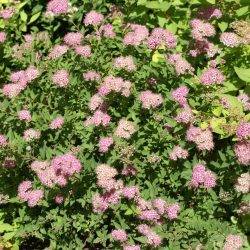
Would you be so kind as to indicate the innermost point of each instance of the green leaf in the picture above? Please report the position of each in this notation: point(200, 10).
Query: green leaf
point(23, 16)
point(228, 87)
point(4, 227)
point(243, 74)
point(211, 1)
point(158, 6)
point(223, 26)
point(241, 11)
point(34, 17)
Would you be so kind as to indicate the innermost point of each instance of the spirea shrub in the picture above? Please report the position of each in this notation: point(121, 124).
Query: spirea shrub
point(122, 133)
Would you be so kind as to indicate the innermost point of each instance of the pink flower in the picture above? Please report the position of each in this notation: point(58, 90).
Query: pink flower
point(181, 65)
point(129, 170)
point(131, 247)
point(57, 123)
point(3, 141)
point(58, 6)
point(7, 13)
point(125, 129)
point(98, 118)
point(31, 73)
point(160, 36)
point(125, 62)
point(245, 100)
point(2, 37)
point(84, 51)
point(178, 153)
point(136, 36)
point(172, 211)
point(34, 197)
point(154, 239)
point(99, 203)
point(119, 235)
point(185, 116)
point(59, 199)
point(130, 192)
point(149, 215)
point(201, 29)
point(233, 242)
point(104, 144)
point(243, 131)
point(242, 152)
point(31, 134)
point(107, 30)
point(209, 13)
point(61, 78)
point(230, 39)
point(212, 76)
point(202, 177)
point(24, 189)
point(57, 51)
point(160, 205)
point(96, 101)
point(24, 115)
point(11, 90)
point(73, 38)
point(180, 95)
point(91, 76)
point(150, 100)
point(93, 18)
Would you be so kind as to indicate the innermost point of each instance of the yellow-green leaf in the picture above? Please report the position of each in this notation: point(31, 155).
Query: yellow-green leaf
point(34, 17)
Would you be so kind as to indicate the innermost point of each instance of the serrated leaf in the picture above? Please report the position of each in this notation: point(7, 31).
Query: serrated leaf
point(34, 17)
point(157, 57)
point(241, 11)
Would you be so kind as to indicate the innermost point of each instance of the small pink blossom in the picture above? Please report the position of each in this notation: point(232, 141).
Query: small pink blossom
point(172, 211)
point(125, 129)
point(119, 235)
point(91, 76)
point(24, 115)
point(61, 78)
point(212, 76)
point(73, 38)
point(230, 39)
point(150, 100)
point(31, 134)
point(178, 153)
point(58, 6)
point(57, 123)
point(84, 51)
point(93, 18)
point(104, 144)
point(3, 141)
point(2, 37)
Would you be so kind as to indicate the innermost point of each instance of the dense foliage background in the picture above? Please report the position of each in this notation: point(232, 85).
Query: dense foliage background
point(136, 122)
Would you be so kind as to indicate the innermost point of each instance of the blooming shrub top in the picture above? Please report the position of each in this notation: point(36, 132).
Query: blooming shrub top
point(117, 134)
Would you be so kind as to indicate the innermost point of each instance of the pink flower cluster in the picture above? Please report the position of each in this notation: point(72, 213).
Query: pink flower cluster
point(243, 183)
point(150, 100)
point(93, 18)
point(180, 95)
point(3, 141)
point(202, 138)
point(26, 193)
point(202, 177)
point(161, 37)
point(97, 119)
point(104, 144)
point(59, 199)
point(125, 62)
point(84, 51)
point(125, 129)
point(233, 242)
point(119, 235)
point(152, 238)
point(91, 76)
point(201, 29)
point(204, 47)
point(107, 30)
point(212, 76)
point(58, 6)
point(73, 38)
point(130, 192)
point(116, 84)
point(96, 101)
point(185, 116)
point(2, 37)
point(136, 36)
point(230, 39)
point(57, 123)
point(7, 13)
point(24, 115)
point(243, 131)
point(57, 51)
point(31, 134)
point(178, 153)
point(112, 188)
point(209, 13)
point(242, 152)
point(20, 80)
point(131, 247)
point(61, 78)
point(180, 64)
point(58, 171)
point(245, 100)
